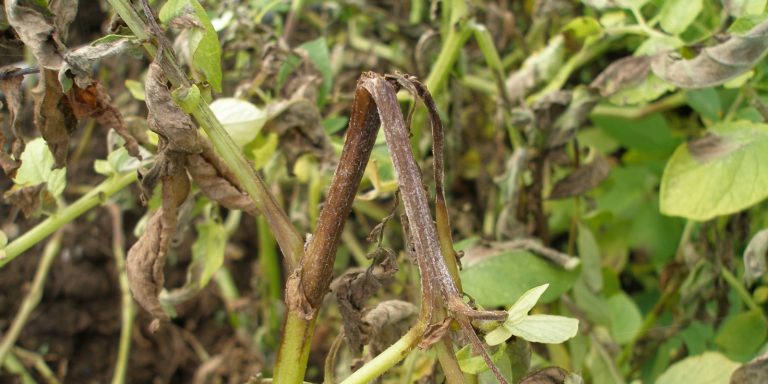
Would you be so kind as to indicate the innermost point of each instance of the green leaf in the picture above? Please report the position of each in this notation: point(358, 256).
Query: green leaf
point(525, 303)
point(36, 164)
point(742, 335)
point(500, 280)
point(719, 174)
point(655, 45)
point(545, 328)
point(263, 148)
point(208, 251)
point(202, 41)
point(650, 134)
point(498, 336)
point(677, 15)
point(649, 89)
point(317, 50)
point(708, 368)
point(626, 318)
point(474, 364)
point(706, 102)
point(136, 88)
point(118, 161)
point(740, 8)
point(589, 253)
point(240, 118)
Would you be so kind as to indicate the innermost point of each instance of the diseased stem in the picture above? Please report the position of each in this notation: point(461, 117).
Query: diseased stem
point(294, 348)
point(127, 309)
point(33, 297)
point(90, 200)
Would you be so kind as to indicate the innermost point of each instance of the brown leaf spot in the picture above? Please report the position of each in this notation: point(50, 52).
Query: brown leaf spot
point(710, 147)
point(754, 372)
point(622, 73)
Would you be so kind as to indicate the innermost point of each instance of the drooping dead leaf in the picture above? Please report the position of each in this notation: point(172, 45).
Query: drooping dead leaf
point(755, 257)
point(29, 199)
point(717, 64)
point(217, 182)
point(435, 333)
point(79, 63)
point(165, 117)
point(146, 258)
point(582, 179)
point(94, 101)
point(37, 31)
point(386, 323)
point(753, 372)
point(298, 123)
point(355, 288)
point(54, 116)
point(10, 86)
point(550, 375)
point(622, 73)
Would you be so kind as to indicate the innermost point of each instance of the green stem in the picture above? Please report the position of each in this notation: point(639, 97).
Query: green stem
point(740, 290)
point(449, 52)
point(297, 332)
point(38, 362)
point(448, 362)
point(127, 310)
point(672, 101)
point(14, 366)
point(388, 358)
point(32, 299)
point(269, 260)
point(93, 198)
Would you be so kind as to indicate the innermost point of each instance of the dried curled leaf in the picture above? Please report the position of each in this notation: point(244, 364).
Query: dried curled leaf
point(38, 32)
point(298, 123)
point(355, 288)
point(387, 321)
point(582, 179)
point(10, 86)
point(717, 64)
point(217, 182)
point(166, 118)
point(144, 266)
point(79, 63)
point(94, 101)
point(54, 116)
point(550, 375)
point(146, 258)
point(29, 199)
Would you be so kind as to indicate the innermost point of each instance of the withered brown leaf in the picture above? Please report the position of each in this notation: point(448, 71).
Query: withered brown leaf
point(10, 85)
point(94, 101)
point(54, 116)
point(29, 199)
point(217, 182)
point(165, 117)
point(621, 73)
point(550, 375)
point(146, 258)
point(37, 32)
point(582, 179)
point(355, 288)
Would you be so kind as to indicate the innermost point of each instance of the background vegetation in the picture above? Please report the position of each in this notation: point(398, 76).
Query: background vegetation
point(615, 150)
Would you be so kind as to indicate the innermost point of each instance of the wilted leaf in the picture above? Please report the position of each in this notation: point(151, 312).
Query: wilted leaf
point(717, 64)
point(754, 372)
point(217, 182)
point(709, 368)
point(201, 38)
point(37, 31)
point(719, 174)
point(79, 63)
point(755, 257)
point(387, 322)
point(94, 101)
point(166, 118)
point(537, 69)
point(298, 124)
point(240, 118)
point(355, 288)
point(207, 258)
point(582, 179)
point(144, 266)
point(10, 86)
point(54, 116)
point(677, 15)
point(29, 199)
